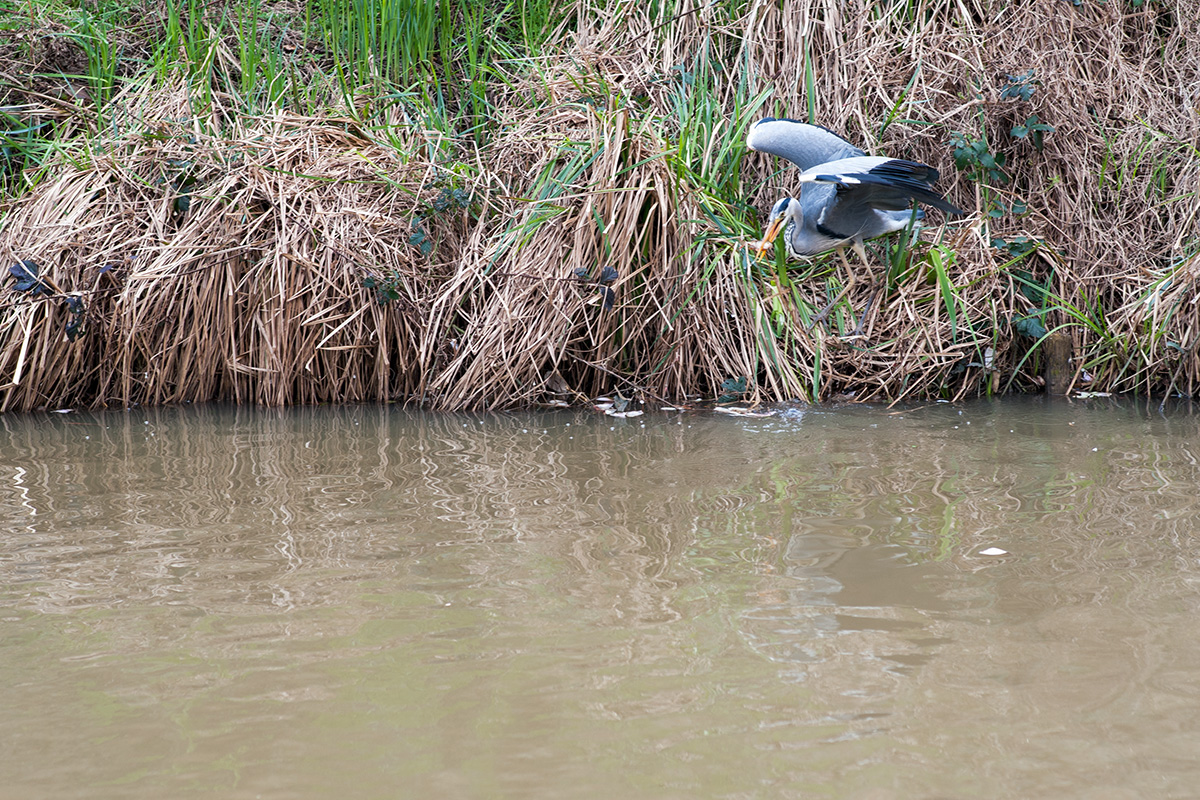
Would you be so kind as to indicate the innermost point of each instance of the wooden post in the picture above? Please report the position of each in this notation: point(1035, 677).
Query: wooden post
point(1058, 372)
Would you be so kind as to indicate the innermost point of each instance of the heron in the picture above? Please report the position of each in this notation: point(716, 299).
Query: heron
point(853, 196)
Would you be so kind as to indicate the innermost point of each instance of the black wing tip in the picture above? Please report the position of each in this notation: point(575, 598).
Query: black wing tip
point(934, 199)
point(917, 178)
point(901, 179)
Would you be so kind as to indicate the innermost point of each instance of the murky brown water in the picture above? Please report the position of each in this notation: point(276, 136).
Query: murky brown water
point(369, 603)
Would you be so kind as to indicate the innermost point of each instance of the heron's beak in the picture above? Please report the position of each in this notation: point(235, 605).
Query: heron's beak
point(771, 235)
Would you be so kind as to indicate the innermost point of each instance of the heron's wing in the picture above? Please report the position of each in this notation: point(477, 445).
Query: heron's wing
point(884, 184)
point(804, 145)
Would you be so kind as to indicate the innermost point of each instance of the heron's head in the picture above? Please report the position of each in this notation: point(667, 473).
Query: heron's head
point(783, 212)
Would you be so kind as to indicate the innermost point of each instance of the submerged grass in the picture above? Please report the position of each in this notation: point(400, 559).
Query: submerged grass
point(468, 205)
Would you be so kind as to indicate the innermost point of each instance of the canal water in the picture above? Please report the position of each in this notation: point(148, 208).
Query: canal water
point(991, 599)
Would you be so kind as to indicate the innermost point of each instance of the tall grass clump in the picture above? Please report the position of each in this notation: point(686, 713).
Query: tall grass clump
point(467, 205)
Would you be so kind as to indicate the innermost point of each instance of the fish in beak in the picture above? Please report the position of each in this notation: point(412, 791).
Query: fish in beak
point(775, 227)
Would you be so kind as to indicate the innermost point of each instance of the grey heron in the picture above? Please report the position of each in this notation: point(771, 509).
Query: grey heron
point(846, 196)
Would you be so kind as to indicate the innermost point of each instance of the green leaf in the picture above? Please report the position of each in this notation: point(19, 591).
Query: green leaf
point(1035, 292)
point(1020, 87)
point(732, 389)
point(1030, 326)
point(947, 288)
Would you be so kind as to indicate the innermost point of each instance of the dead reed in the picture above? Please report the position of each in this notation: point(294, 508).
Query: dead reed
point(590, 239)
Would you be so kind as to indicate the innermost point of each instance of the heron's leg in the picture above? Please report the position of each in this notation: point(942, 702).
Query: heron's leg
point(860, 250)
point(824, 312)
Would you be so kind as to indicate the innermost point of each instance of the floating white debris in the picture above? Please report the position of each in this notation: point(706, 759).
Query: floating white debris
point(993, 551)
point(64, 410)
point(623, 414)
point(743, 412)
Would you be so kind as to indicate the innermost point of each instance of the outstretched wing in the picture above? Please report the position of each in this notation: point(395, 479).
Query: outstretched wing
point(804, 145)
point(886, 184)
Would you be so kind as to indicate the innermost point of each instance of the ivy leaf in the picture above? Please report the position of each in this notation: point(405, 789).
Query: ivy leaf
point(1020, 87)
point(1035, 292)
point(1030, 326)
point(732, 389)
point(26, 273)
point(76, 324)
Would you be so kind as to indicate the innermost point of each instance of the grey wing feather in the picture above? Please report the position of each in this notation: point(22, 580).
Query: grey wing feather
point(804, 145)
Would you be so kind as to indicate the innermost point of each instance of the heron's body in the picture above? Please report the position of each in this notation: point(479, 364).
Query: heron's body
point(848, 196)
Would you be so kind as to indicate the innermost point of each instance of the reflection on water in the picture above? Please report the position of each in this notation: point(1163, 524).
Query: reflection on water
point(307, 602)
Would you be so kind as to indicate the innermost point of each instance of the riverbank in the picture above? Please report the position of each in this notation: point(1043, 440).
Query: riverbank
point(465, 207)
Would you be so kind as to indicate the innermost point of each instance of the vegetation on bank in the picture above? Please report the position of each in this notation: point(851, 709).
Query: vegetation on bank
point(490, 205)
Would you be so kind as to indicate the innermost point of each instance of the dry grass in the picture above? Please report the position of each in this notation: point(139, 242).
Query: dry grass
point(623, 150)
point(255, 294)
